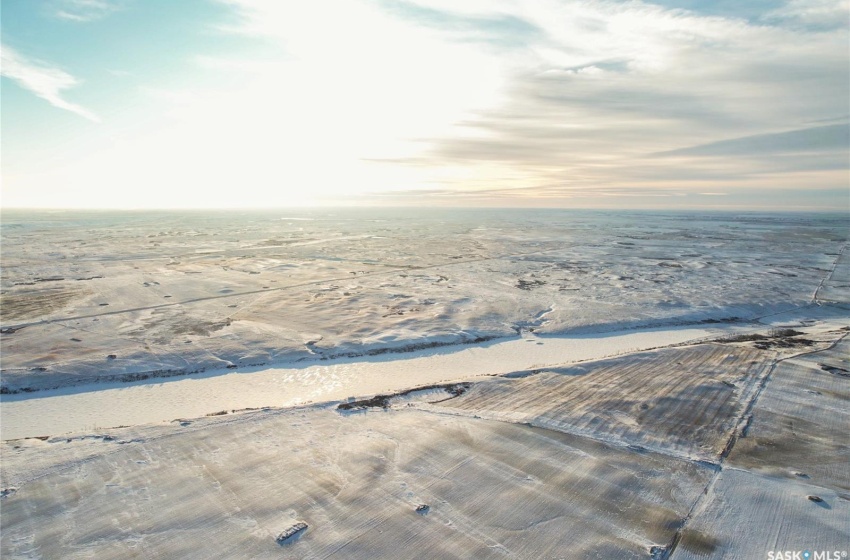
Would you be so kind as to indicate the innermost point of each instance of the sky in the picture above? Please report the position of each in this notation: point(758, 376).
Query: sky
point(731, 104)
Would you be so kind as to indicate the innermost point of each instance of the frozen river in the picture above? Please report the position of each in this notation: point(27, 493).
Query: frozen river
point(107, 405)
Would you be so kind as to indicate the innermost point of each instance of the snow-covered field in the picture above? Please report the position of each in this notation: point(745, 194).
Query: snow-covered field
point(628, 385)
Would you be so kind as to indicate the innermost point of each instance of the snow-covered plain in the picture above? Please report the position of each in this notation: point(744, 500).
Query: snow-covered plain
point(627, 386)
point(507, 467)
point(112, 296)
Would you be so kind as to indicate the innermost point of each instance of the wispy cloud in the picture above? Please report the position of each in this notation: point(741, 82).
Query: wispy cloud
point(821, 138)
point(44, 81)
point(812, 14)
point(497, 29)
point(84, 11)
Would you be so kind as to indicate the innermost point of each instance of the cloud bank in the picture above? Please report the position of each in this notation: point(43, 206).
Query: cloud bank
point(601, 88)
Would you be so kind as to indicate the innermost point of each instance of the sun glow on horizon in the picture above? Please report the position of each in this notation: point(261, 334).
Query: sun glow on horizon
point(255, 103)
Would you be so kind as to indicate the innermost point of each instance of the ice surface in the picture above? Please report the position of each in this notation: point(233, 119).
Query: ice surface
point(106, 405)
